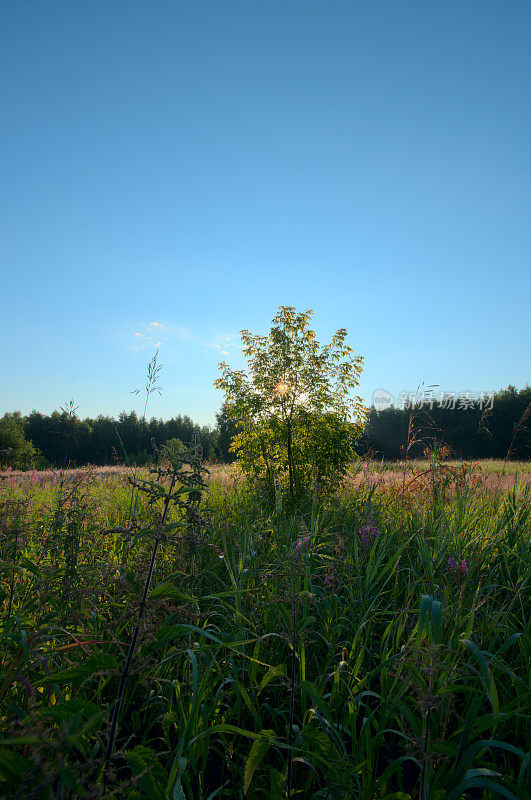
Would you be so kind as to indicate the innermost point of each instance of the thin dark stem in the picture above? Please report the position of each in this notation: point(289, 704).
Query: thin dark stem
point(292, 683)
point(423, 793)
point(290, 463)
point(517, 428)
point(132, 644)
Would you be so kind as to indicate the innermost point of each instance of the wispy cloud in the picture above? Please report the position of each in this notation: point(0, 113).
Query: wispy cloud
point(163, 334)
point(155, 334)
point(225, 343)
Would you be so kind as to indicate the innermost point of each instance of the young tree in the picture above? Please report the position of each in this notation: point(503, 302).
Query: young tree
point(15, 450)
point(297, 420)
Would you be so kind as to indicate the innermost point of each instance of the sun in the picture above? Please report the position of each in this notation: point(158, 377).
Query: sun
point(282, 388)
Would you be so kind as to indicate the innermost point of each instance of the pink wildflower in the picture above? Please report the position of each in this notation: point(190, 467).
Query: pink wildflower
point(331, 581)
point(368, 534)
point(302, 543)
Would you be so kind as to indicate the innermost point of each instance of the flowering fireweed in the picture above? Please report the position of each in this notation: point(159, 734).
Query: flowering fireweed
point(302, 543)
point(367, 535)
point(331, 581)
point(456, 566)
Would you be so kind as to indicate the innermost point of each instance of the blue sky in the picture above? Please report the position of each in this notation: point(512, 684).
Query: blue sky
point(180, 170)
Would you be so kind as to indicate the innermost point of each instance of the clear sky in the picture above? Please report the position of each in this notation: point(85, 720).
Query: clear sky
point(173, 172)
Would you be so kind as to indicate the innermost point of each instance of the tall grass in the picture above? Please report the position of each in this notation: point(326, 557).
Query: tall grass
point(335, 652)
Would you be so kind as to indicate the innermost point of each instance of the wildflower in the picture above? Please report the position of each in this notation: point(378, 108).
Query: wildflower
point(331, 581)
point(455, 566)
point(368, 534)
point(302, 543)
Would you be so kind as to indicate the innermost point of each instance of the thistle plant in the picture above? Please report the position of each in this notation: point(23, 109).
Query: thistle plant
point(172, 483)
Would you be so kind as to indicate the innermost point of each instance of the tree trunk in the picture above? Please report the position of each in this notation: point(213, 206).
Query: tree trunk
point(290, 463)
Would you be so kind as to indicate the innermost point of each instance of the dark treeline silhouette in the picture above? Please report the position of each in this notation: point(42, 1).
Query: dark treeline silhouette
point(469, 432)
point(61, 438)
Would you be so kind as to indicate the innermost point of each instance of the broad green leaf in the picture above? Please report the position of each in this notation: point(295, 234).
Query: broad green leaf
point(479, 783)
point(436, 621)
point(256, 755)
point(93, 665)
point(276, 785)
point(148, 771)
point(487, 677)
point(270, 675)
point(167, 589)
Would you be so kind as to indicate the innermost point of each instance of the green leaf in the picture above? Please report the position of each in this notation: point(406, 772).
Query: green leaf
point(436, 621)
point(271, 674)
point(476, 747)
point(82, 714)
point(258, 750)
point(93, 665)
point(487, 678)
point(479, 783)
point(424, 615)
point(20, 740)
point(397, 796)
point(276, 785)
point(318, 742)
point(480, 771)
point(13, 767)
point(10, 567)
point(31, 567)
point(68, 709)
point(316, 697)
point(148, 771)
point(167, 589)
point(178, 791)
point(226, 728)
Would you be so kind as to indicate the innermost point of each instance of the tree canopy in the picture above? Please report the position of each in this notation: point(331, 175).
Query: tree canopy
point(297, 417)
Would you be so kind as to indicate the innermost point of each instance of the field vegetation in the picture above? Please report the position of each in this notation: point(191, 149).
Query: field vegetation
point(293, 627)
point(386, 633)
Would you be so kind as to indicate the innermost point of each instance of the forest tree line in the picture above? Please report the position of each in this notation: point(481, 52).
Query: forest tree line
point(469, 433)
point(62, 439)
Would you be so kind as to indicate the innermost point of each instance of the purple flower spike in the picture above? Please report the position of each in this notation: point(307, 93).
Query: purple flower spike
point(331, 581)
point(368, 534)
point(455, 566)
point(302, 543)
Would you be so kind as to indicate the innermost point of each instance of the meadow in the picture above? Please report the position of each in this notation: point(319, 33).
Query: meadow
point(372, 643)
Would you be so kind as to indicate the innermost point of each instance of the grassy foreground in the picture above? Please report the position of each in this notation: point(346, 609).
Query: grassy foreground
point(370, 645)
